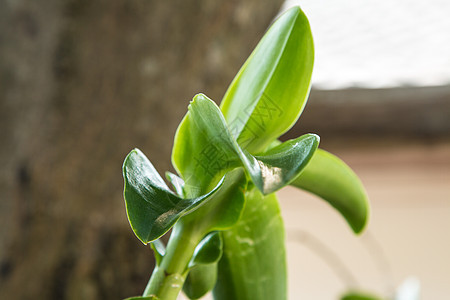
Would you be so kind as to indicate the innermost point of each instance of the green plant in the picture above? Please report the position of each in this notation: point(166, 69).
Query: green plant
point(228, 234)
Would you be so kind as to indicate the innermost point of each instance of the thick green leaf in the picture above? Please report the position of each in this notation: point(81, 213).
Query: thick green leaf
point(204, 128)
point(203, 148)
point(152, 208)
point(359, 296)
point(208, 251)
point(253, 264)
point(142, 298)
point(203, 266)
point(331, 179)
point(200, 280)
point(270, 91)
point(282, 164)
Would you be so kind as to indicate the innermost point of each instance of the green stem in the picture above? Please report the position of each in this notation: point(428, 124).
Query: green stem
point(167, 279)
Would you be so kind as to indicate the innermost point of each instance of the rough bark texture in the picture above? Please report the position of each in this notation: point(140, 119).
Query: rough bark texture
point(81, 84)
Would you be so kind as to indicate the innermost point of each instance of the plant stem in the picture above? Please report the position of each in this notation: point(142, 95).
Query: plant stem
point(167, 279)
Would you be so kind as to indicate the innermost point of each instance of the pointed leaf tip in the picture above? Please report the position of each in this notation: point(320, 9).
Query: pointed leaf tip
point(282, 164)
point(271, 89)
point(152, 208)
point(333, 180)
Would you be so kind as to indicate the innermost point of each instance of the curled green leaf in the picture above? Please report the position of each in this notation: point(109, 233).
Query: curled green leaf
point(205, 149)
point(203, 266)
point(270, 91)
point(152, 208)
point(200, 280)
point(330, 178)
point(283, 163)
point(208, 251)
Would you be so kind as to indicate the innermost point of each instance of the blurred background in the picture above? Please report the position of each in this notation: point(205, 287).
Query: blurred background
point(83, 82)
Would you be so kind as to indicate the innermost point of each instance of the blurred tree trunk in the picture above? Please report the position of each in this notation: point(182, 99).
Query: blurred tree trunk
point(81, 84)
